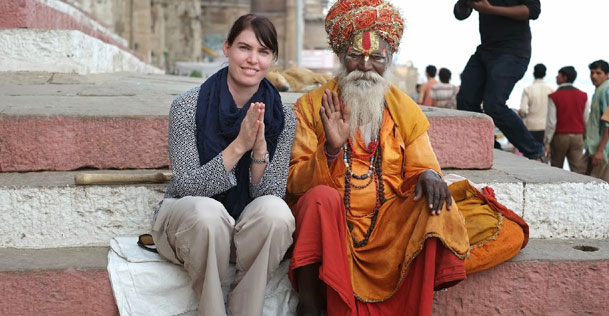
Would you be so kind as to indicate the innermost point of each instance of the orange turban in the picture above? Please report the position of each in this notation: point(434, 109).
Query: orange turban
point(347, 17)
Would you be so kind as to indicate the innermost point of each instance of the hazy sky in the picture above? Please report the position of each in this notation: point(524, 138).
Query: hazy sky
point(568, 32)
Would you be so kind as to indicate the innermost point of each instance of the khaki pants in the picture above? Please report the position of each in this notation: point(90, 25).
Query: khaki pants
point(570, 146)
point(196, 232)
point(600, 171)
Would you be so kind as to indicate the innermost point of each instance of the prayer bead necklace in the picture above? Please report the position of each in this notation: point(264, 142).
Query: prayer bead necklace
point(380, 195)
point(348, 161)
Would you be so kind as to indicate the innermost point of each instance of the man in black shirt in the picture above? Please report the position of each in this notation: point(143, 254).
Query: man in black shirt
point(498, 63)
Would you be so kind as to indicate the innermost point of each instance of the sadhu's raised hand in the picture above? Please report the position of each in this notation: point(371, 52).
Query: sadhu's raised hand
point(336, 123)
point(435, 190)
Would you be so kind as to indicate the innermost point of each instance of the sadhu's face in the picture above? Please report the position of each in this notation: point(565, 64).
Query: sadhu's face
point(367, 52)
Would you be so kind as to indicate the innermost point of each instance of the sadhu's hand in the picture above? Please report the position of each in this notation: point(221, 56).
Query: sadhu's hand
point(436, 191)
point(336, 122)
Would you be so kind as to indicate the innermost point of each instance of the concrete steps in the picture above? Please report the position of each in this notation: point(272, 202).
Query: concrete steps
point(55, 282)
point(46, 209)
point(54, 234)
point(54, 15)
point(119, 121)
point(549, 277)
point(54, 35)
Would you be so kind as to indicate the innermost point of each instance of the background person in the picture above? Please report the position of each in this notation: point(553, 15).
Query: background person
point(568, 110)
point(498, 63)
point(534, 104)
point(424, 93)
point(444, 93)
point(597, 131)
point(229, 144)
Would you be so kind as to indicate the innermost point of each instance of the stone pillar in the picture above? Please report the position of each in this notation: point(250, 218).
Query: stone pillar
point(139, 39)
point(290, 57)
point(182, 31)
point(216, 20)
point(157, 35)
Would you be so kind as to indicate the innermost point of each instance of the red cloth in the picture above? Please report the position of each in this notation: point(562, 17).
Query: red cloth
point(570, 106)
point(321, 236)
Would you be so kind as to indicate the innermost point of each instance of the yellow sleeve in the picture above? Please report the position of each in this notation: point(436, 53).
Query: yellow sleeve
point(418, 157)
point(308, 165)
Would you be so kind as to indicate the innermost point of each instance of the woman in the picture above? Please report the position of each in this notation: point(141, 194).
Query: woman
point(229, 144)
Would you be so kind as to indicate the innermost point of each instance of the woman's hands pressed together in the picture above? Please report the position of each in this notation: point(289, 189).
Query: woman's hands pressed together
point(251, 137)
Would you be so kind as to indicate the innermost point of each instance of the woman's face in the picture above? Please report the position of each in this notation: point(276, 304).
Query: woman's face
point(248, 60)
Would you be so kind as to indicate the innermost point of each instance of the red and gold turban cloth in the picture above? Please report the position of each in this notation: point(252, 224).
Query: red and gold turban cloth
point(347, 17)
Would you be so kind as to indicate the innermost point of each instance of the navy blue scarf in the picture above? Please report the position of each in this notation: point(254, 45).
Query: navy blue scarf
point(218, 121)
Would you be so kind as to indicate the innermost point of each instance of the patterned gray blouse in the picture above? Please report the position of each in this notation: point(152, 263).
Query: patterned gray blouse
point(191, 179)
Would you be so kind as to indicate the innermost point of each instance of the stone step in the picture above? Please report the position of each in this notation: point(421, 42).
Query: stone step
point(56, 282)
point(549, 277)
point(46, 209)
point(55, 15)
point(66, 51)
point(51, 121)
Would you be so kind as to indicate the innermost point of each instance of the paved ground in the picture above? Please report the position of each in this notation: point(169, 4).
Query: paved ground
point(85, 258)
point(116, 94)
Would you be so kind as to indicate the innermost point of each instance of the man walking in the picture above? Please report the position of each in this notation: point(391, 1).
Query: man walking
point(498, 63)
point(534, 104)
point(568, 110)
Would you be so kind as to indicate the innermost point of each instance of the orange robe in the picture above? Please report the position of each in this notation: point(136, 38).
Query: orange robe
point(378, 269)
point(496, 234)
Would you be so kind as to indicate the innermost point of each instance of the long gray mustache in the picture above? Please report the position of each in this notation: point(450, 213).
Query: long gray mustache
point(364, 76)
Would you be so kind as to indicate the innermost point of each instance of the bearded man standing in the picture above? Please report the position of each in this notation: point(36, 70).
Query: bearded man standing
point(377, 229)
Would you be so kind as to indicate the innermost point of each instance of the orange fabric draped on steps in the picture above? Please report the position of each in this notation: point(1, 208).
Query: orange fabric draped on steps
point(496, 234)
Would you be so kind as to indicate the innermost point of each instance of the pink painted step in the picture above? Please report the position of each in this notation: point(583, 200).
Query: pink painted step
point(461, 140)
point(31, 143)
point(549, 288)
point(37, 15)
point(549, 277)
point(57, 293)
point(562, 288)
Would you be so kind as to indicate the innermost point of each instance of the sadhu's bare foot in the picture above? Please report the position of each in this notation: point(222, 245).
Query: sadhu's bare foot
point(310, 291)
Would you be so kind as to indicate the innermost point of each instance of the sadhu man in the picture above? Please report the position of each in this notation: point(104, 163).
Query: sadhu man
point(376, 227)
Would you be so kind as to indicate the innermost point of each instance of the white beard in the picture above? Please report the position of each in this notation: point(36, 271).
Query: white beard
point(365, 93)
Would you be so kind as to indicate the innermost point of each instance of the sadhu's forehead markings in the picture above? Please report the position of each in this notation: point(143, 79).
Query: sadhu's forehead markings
point(366, 42)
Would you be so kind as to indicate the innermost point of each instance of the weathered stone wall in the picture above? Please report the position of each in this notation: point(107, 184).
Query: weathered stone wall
point(216, 20)
point(162, 31)
point(157, 34)
point(166, 31)
point(315, 36)
point(182, 31)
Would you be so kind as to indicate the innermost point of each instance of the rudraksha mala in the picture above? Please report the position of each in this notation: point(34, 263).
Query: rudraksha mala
point(377, 176)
